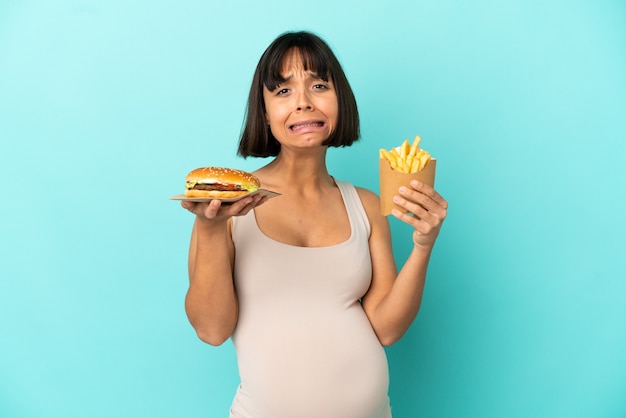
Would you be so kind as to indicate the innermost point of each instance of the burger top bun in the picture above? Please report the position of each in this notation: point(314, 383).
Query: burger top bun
point(208, 175)
point(220, 183)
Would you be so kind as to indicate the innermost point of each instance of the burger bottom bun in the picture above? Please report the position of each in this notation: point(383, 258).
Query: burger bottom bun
point(214, 194)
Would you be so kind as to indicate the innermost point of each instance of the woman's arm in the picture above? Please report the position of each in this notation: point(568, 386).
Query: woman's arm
point(394, 299)
point(211, 301)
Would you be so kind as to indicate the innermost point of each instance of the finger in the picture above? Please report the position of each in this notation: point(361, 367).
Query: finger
point(193, 207)
point(426, 201)
point(188, 205)
point(415, 210)
point(423, 227)
point(406, 217)
point(241, 206)
point(415, 222)
point(257, 201)
point(211, 208)
point(262, 200)
point(417, 197)
point(429, 191)
point(248, 204)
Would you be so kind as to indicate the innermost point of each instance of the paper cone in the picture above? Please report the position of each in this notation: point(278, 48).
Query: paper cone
point(391, 180)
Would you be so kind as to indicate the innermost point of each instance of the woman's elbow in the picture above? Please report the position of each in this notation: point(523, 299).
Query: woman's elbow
point(388, 341)
point(212, 338)
point(213, 332)
point(389, 338)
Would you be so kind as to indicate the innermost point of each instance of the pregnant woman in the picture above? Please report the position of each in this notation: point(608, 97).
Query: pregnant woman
point(306, 283)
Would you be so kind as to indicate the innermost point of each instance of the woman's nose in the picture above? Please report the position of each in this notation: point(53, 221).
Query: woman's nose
point(304, 102)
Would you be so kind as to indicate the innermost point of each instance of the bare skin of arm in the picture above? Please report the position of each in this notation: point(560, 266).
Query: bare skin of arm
point(211, 302)
point(394, 298)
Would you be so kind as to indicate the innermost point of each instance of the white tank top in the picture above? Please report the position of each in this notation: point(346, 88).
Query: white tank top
point(305, 347)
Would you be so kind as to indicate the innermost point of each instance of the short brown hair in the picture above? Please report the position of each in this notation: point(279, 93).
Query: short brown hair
point(256, 138)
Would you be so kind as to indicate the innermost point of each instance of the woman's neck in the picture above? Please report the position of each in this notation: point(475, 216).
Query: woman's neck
point(301, 172)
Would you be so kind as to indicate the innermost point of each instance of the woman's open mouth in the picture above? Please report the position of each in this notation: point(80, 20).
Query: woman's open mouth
point(306, 126)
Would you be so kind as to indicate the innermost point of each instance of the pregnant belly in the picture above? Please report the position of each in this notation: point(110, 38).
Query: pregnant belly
point(315, 369)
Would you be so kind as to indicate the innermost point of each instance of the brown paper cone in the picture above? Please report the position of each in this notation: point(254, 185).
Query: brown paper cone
point(391, 180)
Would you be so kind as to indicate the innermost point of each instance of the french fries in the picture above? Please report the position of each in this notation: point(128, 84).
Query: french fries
point(407, 158)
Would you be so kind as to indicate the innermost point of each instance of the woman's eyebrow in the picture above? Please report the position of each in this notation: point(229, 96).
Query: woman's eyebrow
point(312, 74)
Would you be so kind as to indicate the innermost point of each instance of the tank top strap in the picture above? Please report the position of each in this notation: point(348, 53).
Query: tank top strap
point(354, 206)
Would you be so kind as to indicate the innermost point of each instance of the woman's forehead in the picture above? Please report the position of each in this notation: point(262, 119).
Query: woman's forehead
point(295, 62)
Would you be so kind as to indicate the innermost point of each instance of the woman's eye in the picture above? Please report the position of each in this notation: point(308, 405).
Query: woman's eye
point(282, 91)
point(320, 86)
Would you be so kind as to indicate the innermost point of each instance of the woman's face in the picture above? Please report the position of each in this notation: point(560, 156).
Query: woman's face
point(301, 111)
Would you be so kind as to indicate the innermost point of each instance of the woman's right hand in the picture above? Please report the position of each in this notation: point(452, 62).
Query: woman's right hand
point(214, 212)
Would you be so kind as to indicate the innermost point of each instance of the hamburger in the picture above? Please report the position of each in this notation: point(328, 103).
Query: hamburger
point(220, 183)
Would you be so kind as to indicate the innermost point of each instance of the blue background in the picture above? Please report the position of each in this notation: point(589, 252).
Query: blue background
point(105, 106)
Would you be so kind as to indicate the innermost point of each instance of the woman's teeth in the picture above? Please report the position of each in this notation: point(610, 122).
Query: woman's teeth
point(295, 127)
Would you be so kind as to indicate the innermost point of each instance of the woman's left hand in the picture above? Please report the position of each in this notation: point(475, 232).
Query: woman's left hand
point(426, 211)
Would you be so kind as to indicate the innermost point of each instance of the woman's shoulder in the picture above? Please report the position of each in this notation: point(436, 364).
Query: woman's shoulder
point(371, 203)
point(367, 196)
point(369, 199)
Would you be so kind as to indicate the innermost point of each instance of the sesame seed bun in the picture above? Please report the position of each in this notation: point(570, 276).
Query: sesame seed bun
point(219, 183)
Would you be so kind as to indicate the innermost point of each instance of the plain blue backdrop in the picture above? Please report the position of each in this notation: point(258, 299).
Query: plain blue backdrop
point(106, 105)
